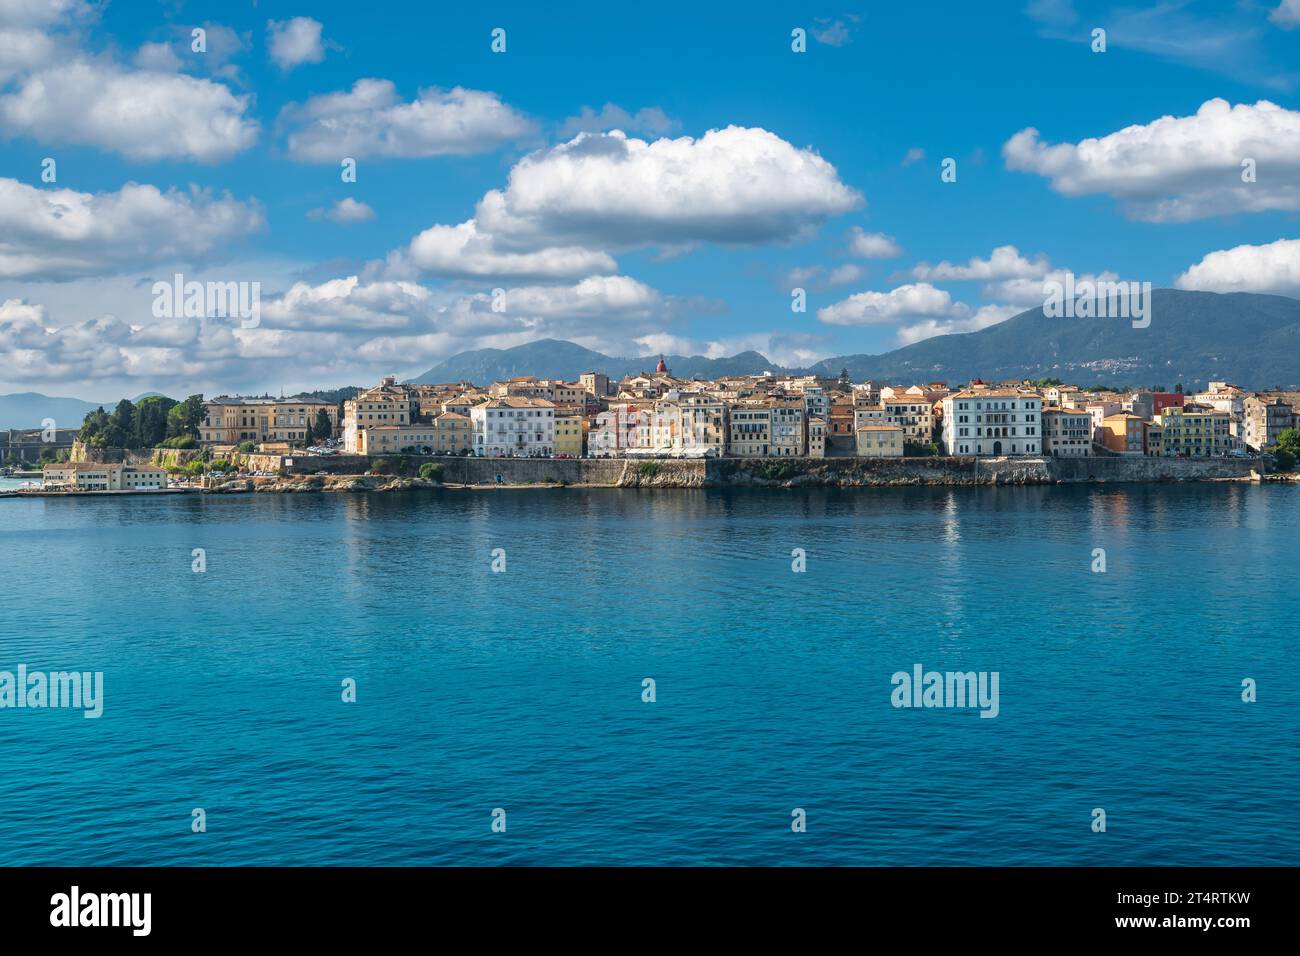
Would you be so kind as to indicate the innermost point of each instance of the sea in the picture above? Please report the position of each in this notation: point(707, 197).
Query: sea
point(656, 677)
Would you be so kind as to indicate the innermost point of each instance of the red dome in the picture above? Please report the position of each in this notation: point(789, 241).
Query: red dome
point(661, 367)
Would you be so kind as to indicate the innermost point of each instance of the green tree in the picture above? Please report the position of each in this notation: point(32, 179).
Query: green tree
point(324, 427)
point(149, 421)
point(432, 470)
point(185, 417)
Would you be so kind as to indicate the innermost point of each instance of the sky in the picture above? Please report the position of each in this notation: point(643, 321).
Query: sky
point(658, 179)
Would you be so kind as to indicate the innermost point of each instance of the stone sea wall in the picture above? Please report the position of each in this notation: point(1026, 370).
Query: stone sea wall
point(767, 472)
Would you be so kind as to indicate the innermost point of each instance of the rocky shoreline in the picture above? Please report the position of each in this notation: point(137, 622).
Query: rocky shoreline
point(769, 473)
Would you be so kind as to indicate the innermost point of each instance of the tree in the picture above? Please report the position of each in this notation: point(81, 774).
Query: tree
point(324, 427)
point(185, 417)
point(1178, 389)
point(432, 470)
point(149, 421)
point(308, 436)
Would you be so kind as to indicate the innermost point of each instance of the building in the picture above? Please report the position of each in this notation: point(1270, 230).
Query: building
point(911, 411)
point(788, 436)
point(992, 421)
point(1195, 431)
point(29, 444)
point(568, 436)
point(619, 429)
point(816, 438)
point(514, 428)
point(880, 441)
point(230, 420)
point(1264, 420)
point(386, 404)
point(92, 476)
point(453, 434)
point(1123, 434)
point(1067, 432)
point(751, 430)
point(704, 423)
point(417, 439)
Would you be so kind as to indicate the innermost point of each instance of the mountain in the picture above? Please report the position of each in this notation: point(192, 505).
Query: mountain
point(30, 409)
point(1194, 337)
point(552, 358)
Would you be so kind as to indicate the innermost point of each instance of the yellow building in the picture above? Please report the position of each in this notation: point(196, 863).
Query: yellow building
point(454, 434)
point(1195, 431)
point(229, 421)
point(568, 436)
point(397, 440)
point(91, 476)
point(880, 441)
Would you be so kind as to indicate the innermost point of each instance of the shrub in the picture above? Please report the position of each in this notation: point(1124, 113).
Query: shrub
point(779, 470)
point(432, 470)
point(180, 441)
point(648, 469)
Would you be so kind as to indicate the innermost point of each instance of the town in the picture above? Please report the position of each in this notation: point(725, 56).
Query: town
point(657, 415)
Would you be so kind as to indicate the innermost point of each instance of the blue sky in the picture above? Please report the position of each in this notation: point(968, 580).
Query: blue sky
point(694, 247)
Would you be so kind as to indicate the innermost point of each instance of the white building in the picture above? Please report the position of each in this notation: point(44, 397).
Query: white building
point(514, 428)
point(992, 422)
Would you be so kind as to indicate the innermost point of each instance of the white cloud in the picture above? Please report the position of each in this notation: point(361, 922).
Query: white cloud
point(464, 252)
point(912, 301)
point(650, 119)
point(44, 13)
point(1178, 168)
point(1029, 291)
point(982, 318)
point(835, 32)
point(1005, 262)
point(1274, 268)
point(913, 155)
point(734, 185)
point(371, 120)
point(294, 42)
point(345, 211)
point(1287, 14)
point(872, 245)
point(61, 233)
point(157, 57)
point(145, 115)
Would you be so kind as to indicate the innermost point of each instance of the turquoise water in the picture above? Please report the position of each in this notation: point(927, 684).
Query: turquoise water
point(522, 690)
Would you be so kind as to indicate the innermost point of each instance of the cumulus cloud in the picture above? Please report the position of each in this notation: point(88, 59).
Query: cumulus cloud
point(735, 185)
point(464, 252)
point(912, 301)
point(1274, 268)
point(1005, 262)
point(650, 119)
point(1286, 14)
point(143, 114)
point(1026, 292)
point(371, 120)
point(345, 212)
point(62, 233)
point(982, 318)
point(872, 245)
point(1178, 168)
point(294, 42)
point(564, 209)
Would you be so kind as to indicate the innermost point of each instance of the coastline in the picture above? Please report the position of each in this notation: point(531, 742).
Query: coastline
point(522, 473)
